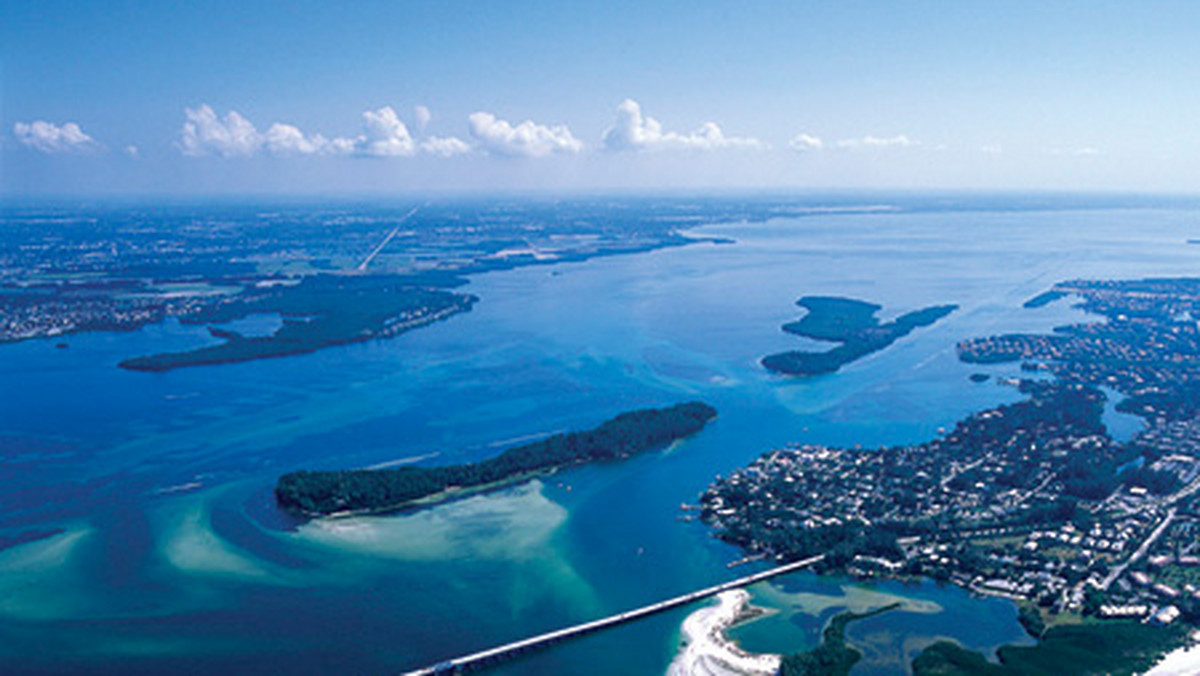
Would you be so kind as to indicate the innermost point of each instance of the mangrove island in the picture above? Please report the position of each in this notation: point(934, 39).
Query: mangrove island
point(360, 491)
point(853, 324)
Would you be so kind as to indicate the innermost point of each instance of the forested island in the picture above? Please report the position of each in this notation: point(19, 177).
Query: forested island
point(359, 491)
point(319, 311)
point(853, 324)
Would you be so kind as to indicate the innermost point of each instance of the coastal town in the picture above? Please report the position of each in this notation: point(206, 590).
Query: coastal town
point(1032, 501)
point(912, 511)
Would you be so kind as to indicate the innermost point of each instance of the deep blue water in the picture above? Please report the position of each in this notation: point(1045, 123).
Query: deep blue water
point(172, 558)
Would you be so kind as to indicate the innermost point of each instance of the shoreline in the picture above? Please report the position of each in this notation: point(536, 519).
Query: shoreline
point(454, 493)
point(1183, 661)
point(339, 494)
point(708, 651)
point(443, 496)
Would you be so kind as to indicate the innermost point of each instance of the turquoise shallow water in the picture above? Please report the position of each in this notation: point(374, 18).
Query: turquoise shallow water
point(172, 558)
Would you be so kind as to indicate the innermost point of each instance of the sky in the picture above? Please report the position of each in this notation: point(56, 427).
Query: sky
point(245, 97)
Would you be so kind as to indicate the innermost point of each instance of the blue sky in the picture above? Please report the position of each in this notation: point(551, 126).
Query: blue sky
point(172, 98)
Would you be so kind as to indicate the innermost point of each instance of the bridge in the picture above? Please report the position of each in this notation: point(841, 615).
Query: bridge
point(510, 650)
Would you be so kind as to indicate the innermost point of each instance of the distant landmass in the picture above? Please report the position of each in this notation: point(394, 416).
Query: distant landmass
point(122, 273)
point(318, 311)
point(853, 324)
point(364, 491)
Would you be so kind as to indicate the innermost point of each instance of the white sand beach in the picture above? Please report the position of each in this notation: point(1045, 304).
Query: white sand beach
point(707, 651)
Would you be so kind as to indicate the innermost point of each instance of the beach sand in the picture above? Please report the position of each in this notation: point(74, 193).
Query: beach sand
point(707, 651)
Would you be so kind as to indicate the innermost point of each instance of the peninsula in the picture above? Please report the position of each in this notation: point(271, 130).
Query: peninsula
point(707, 648)
point(367, 491)
point(318, 311)
point(832, 656)
point(1033, 501)
point(853, 324)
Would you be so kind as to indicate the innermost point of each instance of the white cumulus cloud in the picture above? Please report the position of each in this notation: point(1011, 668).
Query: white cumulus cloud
point(48, 137)
point(899, 141)
point(803, 143)
point(635, 131)
point(527, 139)
point(204, 133)
point(285, 139)
point(386, 135)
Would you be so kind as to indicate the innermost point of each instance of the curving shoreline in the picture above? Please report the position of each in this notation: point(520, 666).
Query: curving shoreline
point(851, 324)
point(1182, 661)
point(708, 651)
point(359, 492)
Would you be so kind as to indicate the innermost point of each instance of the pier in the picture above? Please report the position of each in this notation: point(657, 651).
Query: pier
point(510, 650)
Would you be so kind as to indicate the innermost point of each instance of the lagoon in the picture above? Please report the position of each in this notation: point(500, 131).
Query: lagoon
point(172, 557)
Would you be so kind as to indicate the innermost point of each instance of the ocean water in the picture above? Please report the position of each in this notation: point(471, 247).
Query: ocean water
point(171, 557)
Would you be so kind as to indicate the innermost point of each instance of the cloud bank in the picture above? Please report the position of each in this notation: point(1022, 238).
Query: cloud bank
point(635, 131)
point(204, 133)
point(51, 138)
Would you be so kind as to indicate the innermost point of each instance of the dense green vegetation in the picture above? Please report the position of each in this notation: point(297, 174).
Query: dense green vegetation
point(1067, 650)
point(832, 318)
point(950, 659)
point(323, 493)
point(832, 657)
point(1031, 619)
point(319, 311)
point(1045, 298)
point(851, 323)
